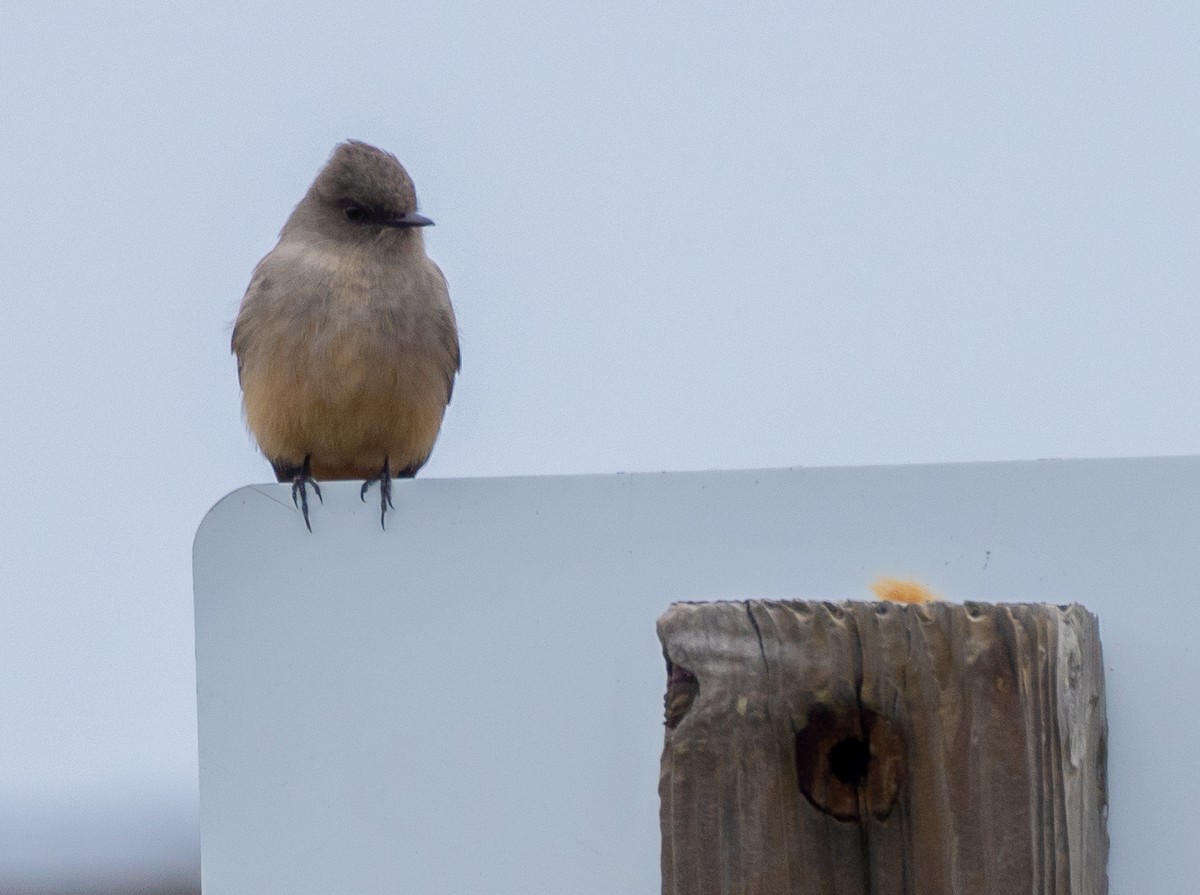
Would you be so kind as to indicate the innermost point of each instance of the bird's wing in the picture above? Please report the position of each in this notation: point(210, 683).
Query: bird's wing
point(448, 334)
point(450, 339)
point(239, 341)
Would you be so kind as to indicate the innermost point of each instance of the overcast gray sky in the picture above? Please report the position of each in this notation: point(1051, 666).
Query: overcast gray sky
point(678, 236)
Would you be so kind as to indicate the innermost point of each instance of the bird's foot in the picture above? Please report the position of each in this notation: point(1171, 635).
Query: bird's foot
point(301, 479)
point(385, 492)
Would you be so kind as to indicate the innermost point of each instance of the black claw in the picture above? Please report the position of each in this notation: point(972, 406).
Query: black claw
point(385, 497)
point(301, 478)
point(385, 492)
point(301, 503)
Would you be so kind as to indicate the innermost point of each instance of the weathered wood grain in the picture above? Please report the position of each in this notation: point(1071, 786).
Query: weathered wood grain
point(877, 748)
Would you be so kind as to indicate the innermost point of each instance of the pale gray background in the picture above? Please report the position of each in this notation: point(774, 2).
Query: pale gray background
point(678, 236)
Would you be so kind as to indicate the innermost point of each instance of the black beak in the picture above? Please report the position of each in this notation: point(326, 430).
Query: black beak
point(409, 219)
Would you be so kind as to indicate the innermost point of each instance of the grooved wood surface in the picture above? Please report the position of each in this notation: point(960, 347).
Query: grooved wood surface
point(984, 725)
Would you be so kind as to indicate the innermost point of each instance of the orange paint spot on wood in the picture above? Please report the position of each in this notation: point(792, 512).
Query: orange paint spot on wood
point(899, 591)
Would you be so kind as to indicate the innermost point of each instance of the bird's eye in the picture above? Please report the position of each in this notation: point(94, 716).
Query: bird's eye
point(356, 214)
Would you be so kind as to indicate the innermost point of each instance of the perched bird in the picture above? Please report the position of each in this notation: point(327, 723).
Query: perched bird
point(346, 341)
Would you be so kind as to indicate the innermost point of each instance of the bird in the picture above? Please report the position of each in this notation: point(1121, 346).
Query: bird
point(346, 341)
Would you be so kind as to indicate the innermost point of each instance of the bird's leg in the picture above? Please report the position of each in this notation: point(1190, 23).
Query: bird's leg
point(385, 491)
point(301, 477)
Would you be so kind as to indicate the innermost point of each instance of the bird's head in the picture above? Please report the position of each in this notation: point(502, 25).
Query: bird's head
point(361, 194)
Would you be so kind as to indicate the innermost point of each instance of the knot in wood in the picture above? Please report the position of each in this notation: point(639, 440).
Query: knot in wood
point(682, 690)
point(850, 762)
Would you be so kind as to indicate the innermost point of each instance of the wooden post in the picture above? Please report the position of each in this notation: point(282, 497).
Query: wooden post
point(878, 748)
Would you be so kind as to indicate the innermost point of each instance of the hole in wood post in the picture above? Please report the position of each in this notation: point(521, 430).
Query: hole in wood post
point(848, 759)
point(682, 689)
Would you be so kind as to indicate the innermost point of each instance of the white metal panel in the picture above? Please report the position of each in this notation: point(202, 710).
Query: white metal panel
point(471, 700)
